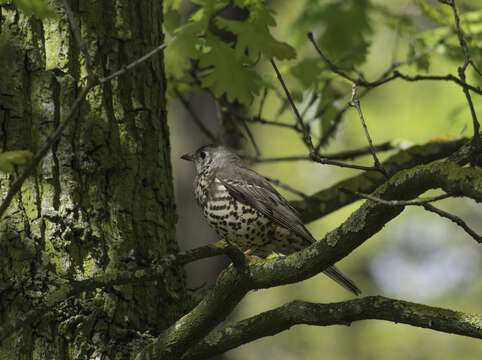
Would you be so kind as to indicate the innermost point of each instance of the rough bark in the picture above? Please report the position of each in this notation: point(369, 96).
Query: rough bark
point(102, 200)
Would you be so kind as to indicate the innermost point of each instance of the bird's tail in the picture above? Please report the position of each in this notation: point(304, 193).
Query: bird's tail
point(337, 275)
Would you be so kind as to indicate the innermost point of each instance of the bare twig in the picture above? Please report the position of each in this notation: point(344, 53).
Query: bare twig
point(342, 155)
point(91, 83)
point(277, 159)
point(449, 77)
point(272, 123)
point(195, 117)
point(352, 154)
point(419, 202)
point(251, 137)
point(394, 65)
point(461, 71)
point(319, 159)
point(79, 39)
point(455, 219)
point(261, 103)
point(316, 158)
point(140, 60)
point(356, 104)
point(332, 66)
point(17, 184)
point(304, 128)
point(395, 75)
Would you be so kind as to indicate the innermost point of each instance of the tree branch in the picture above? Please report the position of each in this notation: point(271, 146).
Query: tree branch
point(361, 225)
point(54, 137)
point(461, 71)
point(342, 313)
point(195, 117)
point(419, 202)
point(454, 219)
point(342, 155)
point(355, 102)
point(102, 281)
point(306, 132)
point(331, 199)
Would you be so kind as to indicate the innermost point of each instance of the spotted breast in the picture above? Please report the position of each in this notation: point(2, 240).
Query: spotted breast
point(241, 223)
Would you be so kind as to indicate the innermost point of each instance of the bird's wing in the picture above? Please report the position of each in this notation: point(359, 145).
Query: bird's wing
point(250, 188)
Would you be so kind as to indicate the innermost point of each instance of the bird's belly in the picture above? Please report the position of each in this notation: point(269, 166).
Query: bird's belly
point(237, 222)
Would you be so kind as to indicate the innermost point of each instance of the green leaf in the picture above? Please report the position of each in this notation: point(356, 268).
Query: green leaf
point(9, 159)
point(253, 35)
point(172, 4)
point(441, 13)
point(172, 20)
point(229, 75)
point(37, 8)
point(183, 48)
point(327, 109)
point(307, 71)
point(343, 28)
point(417, 47)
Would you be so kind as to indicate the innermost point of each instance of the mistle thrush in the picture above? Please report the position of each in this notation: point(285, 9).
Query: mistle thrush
point(245, 209)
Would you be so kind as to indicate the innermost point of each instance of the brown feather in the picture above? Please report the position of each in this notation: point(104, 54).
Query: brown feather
point(250, 188)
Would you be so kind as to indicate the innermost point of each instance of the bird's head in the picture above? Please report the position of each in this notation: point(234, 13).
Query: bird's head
point(211, 157)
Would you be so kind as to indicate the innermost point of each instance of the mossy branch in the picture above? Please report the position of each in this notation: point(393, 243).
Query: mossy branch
point(342, 313)
point(360, 226)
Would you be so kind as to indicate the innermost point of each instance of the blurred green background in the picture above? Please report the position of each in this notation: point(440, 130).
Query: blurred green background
point(417, 257)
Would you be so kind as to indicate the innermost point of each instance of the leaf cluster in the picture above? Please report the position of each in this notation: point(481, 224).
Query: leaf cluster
point(198, 56)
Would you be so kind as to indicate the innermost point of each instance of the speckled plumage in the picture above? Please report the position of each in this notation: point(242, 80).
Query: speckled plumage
point(244, 208)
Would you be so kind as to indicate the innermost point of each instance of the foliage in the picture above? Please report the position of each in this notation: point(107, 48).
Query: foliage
point(199, 59)
point(9, 159)
point(38, 8)
point(223, 68)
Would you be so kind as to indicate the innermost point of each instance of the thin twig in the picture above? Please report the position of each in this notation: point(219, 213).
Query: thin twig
point(78, 37)
point(261, 103)
point(251, 137)
point(272, 123)
point(342, 155)
point(449, 77)
point(395, 75)
point(455, 219)
point(306, 133)
point(314, 97)
point(477, 70)
point(338, 118)
point(195, 117)
point(461, 71)
point(17, 184)
point(319, 159)
point(356, 104)
point(352, 154)
point(136, 62)
point(332, 66)
point(91, 83)
point(419, 202)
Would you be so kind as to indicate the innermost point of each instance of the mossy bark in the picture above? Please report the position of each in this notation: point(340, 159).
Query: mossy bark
point(102, 200)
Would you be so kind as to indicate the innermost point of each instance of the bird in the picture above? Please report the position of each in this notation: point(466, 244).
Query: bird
point(245, 209)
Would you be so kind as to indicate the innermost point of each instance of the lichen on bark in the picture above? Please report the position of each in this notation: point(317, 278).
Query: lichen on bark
point(102, 199)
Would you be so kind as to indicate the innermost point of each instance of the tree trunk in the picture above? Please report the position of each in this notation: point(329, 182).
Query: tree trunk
point(102, 200)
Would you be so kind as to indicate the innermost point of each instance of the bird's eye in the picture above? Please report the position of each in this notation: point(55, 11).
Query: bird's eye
point(202, 154)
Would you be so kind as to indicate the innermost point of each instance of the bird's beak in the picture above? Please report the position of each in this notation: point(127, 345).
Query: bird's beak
point(188, 157)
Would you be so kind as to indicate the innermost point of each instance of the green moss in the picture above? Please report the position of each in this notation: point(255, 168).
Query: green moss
point(55, 45)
